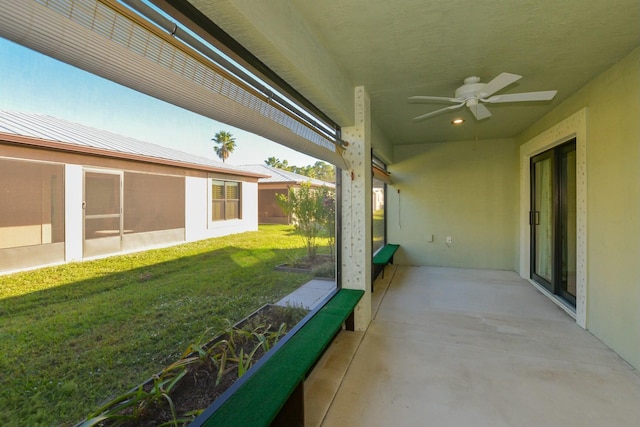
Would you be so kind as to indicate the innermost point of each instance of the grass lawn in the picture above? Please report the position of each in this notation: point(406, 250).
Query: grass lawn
point(74, 335)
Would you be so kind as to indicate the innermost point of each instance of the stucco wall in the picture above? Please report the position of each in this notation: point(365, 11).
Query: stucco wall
point(613, 202)
point(467, 190)
point(197, 211)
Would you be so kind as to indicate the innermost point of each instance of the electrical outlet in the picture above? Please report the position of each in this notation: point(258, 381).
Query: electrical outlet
point(448, 240)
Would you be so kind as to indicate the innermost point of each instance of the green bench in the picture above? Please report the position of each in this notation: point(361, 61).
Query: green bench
point(274, 394)
point(382, 258)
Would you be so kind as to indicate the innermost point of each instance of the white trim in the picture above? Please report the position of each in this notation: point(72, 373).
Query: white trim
point(573, 126)
point(73, 212)
point(211, 224)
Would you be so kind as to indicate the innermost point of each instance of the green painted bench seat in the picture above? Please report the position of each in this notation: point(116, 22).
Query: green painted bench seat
point(385, 255)
point(278, 383)
point(382, 258)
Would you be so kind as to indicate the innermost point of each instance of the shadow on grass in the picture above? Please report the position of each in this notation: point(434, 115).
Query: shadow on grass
point(217, 270)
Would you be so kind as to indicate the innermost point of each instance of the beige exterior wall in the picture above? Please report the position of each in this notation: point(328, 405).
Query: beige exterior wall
point(613, 201)
point(467, 190)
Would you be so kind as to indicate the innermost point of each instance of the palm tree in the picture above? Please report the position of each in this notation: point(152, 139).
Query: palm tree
point(225, 144)
point(276, 163)
point(273, 162)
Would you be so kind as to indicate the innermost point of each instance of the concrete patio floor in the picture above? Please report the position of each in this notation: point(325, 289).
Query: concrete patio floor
point(457, 347)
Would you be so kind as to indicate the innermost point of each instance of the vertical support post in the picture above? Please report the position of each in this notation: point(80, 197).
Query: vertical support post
point(356, 208)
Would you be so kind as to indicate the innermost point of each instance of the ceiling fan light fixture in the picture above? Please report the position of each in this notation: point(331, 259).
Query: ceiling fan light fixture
point(457, 121)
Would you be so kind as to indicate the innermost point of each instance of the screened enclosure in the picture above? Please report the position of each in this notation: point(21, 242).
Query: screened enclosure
point(129, 210)
point(32, 206)
point(31, 212)
point(153, 202)
point(268, 210)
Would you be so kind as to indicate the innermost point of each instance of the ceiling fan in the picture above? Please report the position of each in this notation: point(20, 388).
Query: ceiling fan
point(474, 95)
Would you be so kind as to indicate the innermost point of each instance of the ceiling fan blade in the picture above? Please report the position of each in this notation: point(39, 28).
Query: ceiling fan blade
point(434, 113)
point(500, 82)
point(525, 96)
point(480, 111)
point(426, 99)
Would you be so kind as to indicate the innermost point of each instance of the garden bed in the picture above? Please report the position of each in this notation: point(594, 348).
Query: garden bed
point(321, 266)
point(181, 391)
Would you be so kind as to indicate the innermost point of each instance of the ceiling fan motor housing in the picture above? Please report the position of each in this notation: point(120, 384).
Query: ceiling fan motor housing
point(471, 90)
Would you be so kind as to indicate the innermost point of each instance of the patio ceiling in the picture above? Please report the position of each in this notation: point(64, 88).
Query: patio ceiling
point(417, 47)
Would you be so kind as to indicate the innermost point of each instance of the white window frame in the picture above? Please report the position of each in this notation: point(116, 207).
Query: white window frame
point(210, 200)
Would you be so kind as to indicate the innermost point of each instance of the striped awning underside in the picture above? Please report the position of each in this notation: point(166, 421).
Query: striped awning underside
point(104, 38)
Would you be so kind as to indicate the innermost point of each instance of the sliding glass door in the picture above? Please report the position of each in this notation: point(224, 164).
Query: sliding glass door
point(553, 220)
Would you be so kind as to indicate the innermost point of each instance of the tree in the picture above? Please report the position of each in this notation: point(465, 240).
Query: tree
point(327, 216)
point(324, 171)
point(313, 212)
point(320, 170)
point(225, 144)
point(276, 163)
point(305, 170)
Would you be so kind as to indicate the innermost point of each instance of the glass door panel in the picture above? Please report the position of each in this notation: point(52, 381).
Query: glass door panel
point(568, 224)
point(543, 221)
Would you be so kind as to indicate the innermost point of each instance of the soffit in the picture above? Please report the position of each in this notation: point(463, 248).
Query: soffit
point(416, 47)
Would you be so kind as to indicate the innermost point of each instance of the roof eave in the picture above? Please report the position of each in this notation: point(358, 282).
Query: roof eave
point(72, 148)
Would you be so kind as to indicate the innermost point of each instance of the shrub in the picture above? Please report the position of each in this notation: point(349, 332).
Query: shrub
point(326, 269)
point(313, 212)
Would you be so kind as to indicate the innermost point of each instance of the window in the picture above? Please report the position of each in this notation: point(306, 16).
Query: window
point(128, 210)
point(225, 200)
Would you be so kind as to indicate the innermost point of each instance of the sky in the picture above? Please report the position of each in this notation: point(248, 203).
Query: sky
point(32, 82)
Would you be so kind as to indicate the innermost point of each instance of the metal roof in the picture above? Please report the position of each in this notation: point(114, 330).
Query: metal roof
point(75, 136)
point(282, 176)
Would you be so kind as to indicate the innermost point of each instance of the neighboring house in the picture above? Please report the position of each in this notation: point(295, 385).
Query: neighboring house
point(70, 192)
point(278, 182)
